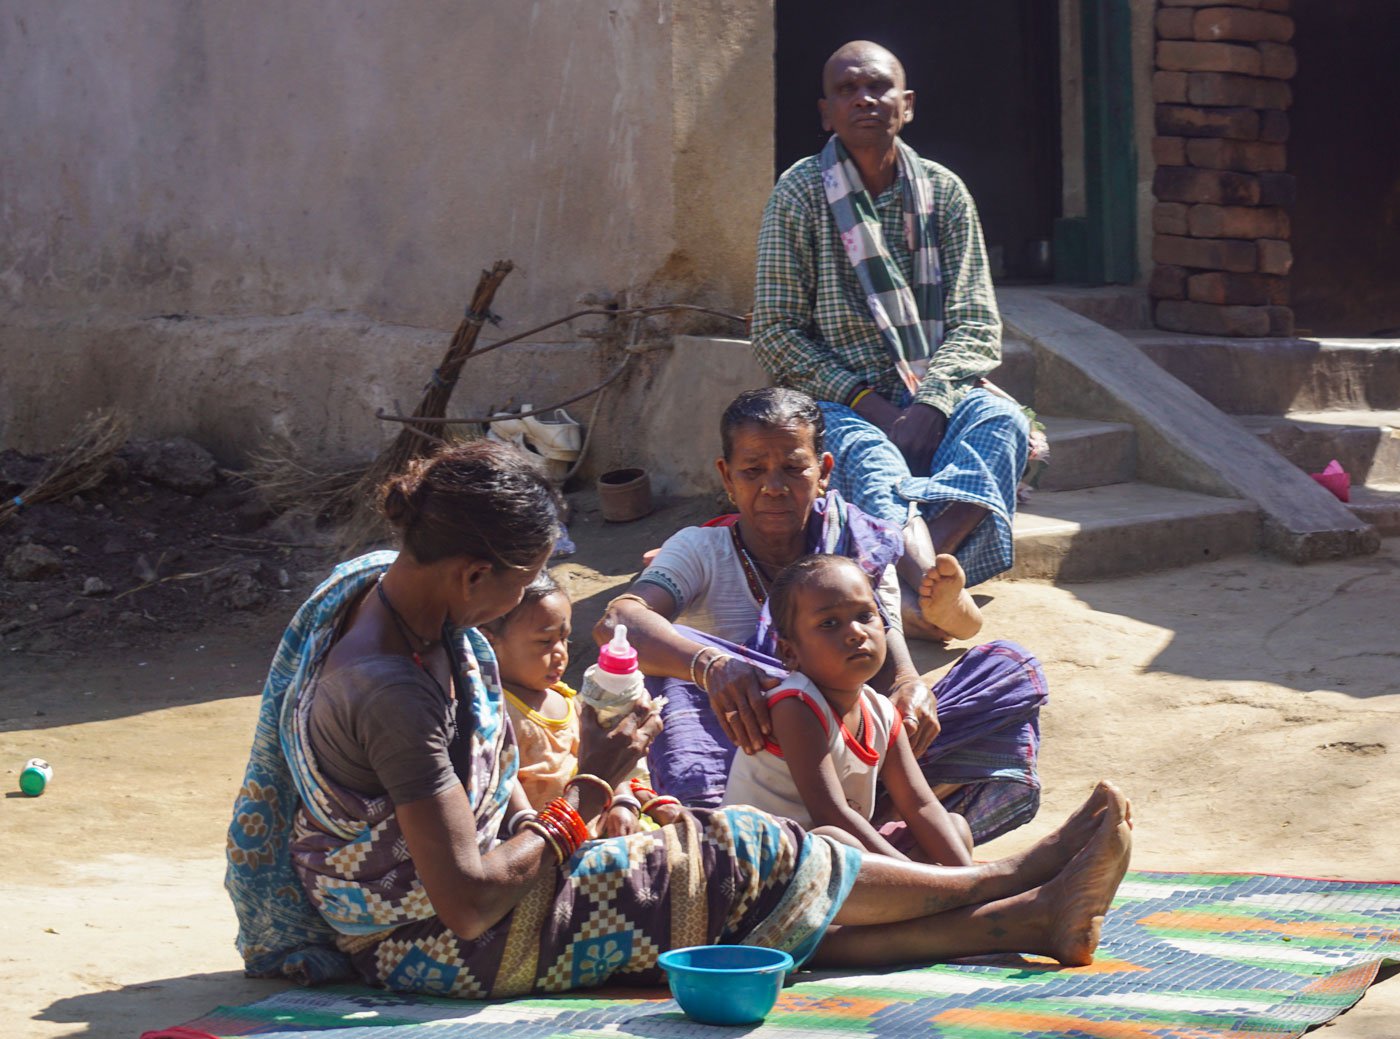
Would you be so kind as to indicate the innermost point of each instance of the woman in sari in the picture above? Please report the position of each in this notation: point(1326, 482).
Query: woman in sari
point(381, 833)
point(976, 734)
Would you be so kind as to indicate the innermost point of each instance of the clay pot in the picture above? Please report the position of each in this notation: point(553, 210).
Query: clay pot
point(625, 494)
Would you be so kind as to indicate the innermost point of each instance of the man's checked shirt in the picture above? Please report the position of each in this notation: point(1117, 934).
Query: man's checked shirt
point(812, 329)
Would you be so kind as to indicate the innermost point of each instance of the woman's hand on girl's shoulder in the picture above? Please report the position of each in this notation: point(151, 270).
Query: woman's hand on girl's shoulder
point(737, 691)
point(917, 708)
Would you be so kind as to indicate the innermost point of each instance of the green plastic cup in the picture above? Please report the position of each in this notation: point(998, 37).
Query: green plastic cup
point(34, 780)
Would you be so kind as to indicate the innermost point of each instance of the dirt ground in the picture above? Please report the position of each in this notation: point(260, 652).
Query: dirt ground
point(167, 543)
point(1248, 706)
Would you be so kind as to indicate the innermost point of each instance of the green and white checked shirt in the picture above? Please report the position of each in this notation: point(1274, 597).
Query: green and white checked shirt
point(812, 329)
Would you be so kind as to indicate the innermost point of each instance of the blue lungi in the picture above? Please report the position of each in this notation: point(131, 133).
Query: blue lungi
point(980, 460)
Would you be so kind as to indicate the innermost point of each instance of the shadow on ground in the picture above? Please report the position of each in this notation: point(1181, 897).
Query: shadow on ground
point(126, 1012)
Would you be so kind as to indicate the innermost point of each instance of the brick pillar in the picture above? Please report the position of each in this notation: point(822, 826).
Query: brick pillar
point(1221, 219)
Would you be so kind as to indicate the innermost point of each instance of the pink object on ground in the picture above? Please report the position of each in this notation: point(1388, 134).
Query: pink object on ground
point(1335, 479)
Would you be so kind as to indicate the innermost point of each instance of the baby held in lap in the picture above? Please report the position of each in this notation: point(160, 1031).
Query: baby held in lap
point(532, 650)
point(834, 736)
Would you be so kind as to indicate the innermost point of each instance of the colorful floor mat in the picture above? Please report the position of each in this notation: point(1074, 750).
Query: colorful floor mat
point(1184, 956)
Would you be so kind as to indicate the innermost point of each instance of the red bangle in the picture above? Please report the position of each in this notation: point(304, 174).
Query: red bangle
point(642, 791)
point(566, 815)
point(562, 837)
point(663, 799)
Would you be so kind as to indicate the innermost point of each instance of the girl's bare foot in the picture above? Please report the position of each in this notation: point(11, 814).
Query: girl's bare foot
point(1080, 896)
point(943, 600)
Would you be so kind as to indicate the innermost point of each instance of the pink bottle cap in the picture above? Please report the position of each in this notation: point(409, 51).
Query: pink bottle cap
point(618, 657)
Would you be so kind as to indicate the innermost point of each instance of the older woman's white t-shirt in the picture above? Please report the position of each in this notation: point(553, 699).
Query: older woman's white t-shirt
point(700, 567)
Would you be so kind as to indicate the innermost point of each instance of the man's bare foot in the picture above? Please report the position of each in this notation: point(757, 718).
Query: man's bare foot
point(1080, 896)
point(944, 604)
point(1048, 857)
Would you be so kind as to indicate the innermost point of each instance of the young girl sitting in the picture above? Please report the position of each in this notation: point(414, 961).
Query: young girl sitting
point(532, 651)
point(834, 736)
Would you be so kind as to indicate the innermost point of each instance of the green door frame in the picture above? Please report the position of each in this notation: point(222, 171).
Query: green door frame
point(1101, 247)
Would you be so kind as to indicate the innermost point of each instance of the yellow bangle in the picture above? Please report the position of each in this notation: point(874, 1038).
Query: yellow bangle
point(535, 826)
point(861, 396)
point(598, 781)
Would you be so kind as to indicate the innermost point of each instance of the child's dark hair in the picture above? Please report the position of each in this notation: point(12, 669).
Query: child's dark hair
point(782, 596)
point(773, 407)
point(541, 587)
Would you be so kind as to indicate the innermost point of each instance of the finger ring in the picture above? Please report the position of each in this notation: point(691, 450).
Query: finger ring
point(731, 715)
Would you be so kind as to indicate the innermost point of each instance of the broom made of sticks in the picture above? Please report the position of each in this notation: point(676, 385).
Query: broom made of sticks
point(79, 465)
point(416, 440)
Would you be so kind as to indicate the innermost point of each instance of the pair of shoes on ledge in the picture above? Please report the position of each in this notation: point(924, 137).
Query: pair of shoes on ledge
point(552, 434)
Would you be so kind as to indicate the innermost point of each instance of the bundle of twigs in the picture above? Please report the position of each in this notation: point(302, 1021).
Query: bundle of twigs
point(285, 481)
point(362, 524)
point(349, 494)
point(416, 440)
point(80, 465)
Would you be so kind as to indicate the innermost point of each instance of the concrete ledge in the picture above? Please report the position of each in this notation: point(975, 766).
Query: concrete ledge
point(1378, 504)
point(1367, 443)
point(1084, 453)
point(678, 407)
point(231, 383)
point(1127, 529)
point(1016, 373)
point(1085, 369)
point(1274, 376)
point(1117, 307)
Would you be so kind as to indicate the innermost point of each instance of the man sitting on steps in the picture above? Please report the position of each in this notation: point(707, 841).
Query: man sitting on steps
point(874, 296)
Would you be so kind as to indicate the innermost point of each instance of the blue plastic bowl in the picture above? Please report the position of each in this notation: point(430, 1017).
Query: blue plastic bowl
point(726, 984)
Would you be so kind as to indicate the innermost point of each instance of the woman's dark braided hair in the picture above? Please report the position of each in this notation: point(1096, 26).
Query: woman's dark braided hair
point(482, 499)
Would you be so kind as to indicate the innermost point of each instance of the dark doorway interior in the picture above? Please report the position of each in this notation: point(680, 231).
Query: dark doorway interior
point(1345, 151)
point(986, 77)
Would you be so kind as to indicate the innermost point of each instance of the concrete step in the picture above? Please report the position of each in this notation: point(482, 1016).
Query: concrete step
point(1084, 453)
point(1367, 443)
point(1127, 528)
point(1276, 376)
point(1120, 307)
point(1379, 505)
point(1016, 373)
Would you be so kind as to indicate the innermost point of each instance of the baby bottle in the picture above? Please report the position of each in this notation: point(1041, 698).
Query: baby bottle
point(614, 684)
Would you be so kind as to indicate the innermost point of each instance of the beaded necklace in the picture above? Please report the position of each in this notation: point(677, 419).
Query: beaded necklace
point(410, 636)
point(753, 573)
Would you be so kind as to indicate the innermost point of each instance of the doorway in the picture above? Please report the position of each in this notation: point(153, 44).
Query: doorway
point(1345, 152)
point(986, 77)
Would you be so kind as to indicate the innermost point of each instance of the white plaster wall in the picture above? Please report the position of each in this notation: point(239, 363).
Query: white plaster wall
point(267, 158)
point(334, 174)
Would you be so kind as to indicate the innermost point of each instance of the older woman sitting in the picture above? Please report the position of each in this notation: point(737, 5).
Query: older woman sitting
point(381, 832)
point(976, 735)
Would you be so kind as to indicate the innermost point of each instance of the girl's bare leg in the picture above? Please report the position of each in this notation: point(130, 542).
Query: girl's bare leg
point(1061, 918)
point(889, 891)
